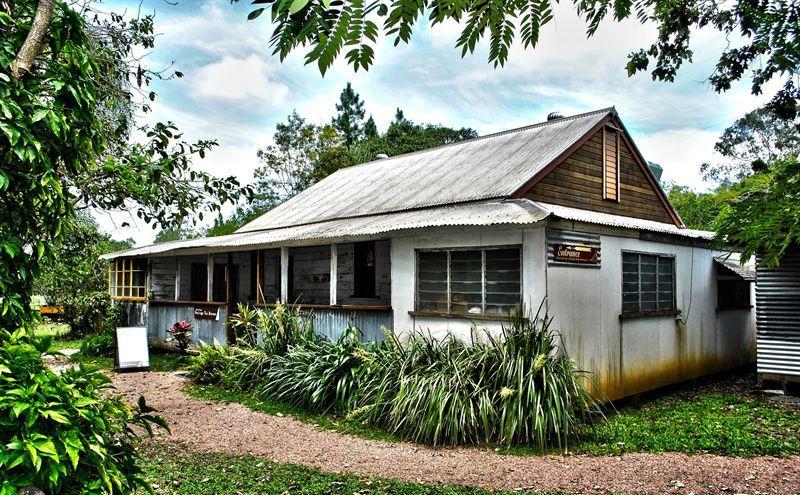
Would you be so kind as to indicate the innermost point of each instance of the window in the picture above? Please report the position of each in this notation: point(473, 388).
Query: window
point(480, 281)
point(199, 282)
point(733, 291)
point(364, 269)
point(648, 283)
point(733, 294)
point(127, 279)
point(610, 164)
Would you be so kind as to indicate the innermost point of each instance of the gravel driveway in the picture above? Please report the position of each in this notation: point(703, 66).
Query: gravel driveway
point(233, 428)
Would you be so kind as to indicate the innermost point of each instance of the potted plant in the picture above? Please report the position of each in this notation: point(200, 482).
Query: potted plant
point(182, 333)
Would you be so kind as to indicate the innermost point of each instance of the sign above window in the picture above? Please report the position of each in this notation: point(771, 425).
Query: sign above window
point(573, 248)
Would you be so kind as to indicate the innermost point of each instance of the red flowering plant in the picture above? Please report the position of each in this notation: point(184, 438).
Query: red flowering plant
point(182, 333)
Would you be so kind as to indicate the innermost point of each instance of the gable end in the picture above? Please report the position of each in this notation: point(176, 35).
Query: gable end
point(590, 179)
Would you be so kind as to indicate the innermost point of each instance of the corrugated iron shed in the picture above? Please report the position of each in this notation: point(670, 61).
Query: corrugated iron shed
point(493, 166)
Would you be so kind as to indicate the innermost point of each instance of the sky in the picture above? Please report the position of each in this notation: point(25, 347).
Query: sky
point(235, 91)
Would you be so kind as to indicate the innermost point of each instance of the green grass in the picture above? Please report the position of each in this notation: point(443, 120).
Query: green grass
point(727, 422)
point(723, 423)
point(60, 334)
point(159, 361)
point(175, 471)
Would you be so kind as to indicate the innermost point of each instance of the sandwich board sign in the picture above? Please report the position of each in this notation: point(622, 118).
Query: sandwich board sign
point(132, 351)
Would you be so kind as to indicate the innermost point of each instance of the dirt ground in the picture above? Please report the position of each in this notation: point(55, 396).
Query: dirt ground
point(232, 428)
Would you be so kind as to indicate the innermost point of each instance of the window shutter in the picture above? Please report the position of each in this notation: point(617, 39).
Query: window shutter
point(610, 164)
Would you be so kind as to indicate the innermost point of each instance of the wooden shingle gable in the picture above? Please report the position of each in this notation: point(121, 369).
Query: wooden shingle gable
point(605, 172)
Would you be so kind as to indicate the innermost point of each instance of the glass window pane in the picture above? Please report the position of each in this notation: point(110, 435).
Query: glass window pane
point(466, 284)
point(503, 286)
point(432, 281)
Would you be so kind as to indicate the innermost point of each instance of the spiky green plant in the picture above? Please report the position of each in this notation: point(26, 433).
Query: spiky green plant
point(318, 375)
point(518, 387)
point(212, 364)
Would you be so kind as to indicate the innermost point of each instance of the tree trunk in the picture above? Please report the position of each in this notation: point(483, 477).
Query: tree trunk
point(33, 42)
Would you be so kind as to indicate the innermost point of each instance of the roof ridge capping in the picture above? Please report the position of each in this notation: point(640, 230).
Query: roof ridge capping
point(612, 110)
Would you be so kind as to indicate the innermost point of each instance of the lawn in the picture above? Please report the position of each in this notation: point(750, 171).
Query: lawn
point(720, 417)
point(173, 470)
point(726, 423)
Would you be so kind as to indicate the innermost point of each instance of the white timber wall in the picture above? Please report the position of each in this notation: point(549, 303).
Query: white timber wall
point(403, 287)
point(628, 356)
point(633, 355)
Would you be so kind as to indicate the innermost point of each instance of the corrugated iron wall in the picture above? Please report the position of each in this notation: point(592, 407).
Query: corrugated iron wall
point(778, 318)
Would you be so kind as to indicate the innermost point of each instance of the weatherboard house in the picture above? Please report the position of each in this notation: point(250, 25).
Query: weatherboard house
point(440, 240)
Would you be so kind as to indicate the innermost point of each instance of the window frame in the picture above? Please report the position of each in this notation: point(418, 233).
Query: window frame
point(673, 311)
point(733, 280)
point(121, 275)
point(449, 312)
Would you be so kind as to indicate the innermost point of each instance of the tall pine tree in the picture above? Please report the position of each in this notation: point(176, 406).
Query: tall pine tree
point(370, 128)
point(350, 115)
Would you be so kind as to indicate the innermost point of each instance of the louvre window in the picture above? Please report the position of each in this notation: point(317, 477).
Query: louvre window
point(648, 283)
point(480, 281)
point(610, 164)
point(127, 279)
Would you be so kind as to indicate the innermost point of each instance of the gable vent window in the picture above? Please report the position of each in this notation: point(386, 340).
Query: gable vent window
point(610, 164)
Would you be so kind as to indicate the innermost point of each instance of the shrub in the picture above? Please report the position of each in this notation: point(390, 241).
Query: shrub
point(212, 364)
point(181, 332)
point(518, 387)
point(101, 344)
point(319, 375)
point(64, 433)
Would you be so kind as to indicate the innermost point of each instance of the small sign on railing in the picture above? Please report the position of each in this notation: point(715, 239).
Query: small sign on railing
point(206, 312)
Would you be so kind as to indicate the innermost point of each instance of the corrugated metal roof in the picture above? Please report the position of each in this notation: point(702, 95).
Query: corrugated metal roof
point(478, 213)
point(598, 218)
point(746, 272)
point(493, 166)
point(481, 213)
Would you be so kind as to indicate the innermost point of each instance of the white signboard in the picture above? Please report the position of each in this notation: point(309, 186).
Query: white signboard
point(132, 351)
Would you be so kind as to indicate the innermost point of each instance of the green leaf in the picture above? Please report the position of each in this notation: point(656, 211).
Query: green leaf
point(297, 6)
point(254, 14)
point(40, 114)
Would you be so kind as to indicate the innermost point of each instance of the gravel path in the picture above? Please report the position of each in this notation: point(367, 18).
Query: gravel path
point(233, 428)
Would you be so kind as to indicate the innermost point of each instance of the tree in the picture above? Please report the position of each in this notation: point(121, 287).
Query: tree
point(350, 114)
point(181, 233)
point(76, 279)
point(764, 215)
point(70, 83)
point(370, 129)
point(302, 153)
point(766, 27)
point(404, 136)
point(699, 210)
point(754, 140)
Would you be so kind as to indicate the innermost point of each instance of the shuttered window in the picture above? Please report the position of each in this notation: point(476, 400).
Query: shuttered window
point(479, 281)
point(610, 164)
point(127, 279)
point(648, 283)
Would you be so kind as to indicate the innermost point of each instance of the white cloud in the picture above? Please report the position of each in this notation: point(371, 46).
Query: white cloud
point(250, 80)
